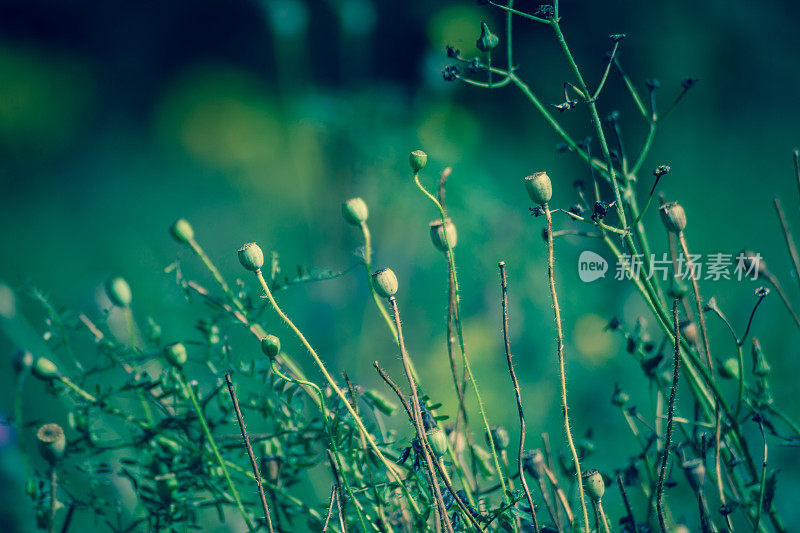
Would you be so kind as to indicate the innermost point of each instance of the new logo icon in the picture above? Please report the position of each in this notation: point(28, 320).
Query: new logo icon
point(591, 266)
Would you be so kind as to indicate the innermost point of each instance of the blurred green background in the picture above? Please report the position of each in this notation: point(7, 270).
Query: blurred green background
point(255, 120)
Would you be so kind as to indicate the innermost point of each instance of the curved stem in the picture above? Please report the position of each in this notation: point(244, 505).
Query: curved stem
point(561, 366)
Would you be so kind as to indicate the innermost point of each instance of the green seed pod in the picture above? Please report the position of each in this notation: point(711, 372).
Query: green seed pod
point(418, 160)
point(438, 441)
point(381, 402)
point(695, 472)
point(355, 211)
point(22, 360)
point(673, 216)
point(539, 187)
point(761, 367)
point(119, 292)
point(620, 397)
point(680, 528)
point(593, 485)
point(439, 231)
point(182, 231)
point(271, 466)
point(385, 282)
point(45, 369)
point(176, 354)
point(52, 442)
point(534, 463)
point(251, 257)
point(499, 436)
point(166, 487)
point(488, 40)
point(729, 368)
point(271, 346)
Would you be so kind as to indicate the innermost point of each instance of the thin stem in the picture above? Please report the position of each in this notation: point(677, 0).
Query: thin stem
point(519, 13)
point(418, 424)
point(249, 448)
point(670, 414)
point(796, 158)
point(784, 298)
point(605, 73)
point(368, 267)
point(602, 516)
point(195, 246)
point(517, 394)
point(699, 303)
point(628, 509)
point(330, 509)
point(53, 499)
point(210, 438)
point(337, 390)
point(787, 235)
point(763, 474)
point(453, 274)
point(561, 365)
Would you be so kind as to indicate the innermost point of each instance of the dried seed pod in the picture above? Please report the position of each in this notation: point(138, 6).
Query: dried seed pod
point(271, 346)
point(593, 485)
point(438, 441)
point(119, 292)
point(488, 40)
point(52, 442)
point(539, 187)
point(533, 462)
point(251, 257)
point(499, 436)
point(418, 160)
point(355, 211)
point(385, 282)
point(673, 216)
point(441, 231)
point(182, 231)
point(176, 354)
point(45, 369)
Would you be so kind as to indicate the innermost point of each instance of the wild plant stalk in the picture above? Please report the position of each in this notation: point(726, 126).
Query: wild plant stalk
point(787, 235)
point(189, 391)
point(561, 366)
point(454, 276)
point(53, 496)
point(330, 508)
point(337, 390)
point(698, 302)
point(249, 448)
point(628, 509)
point(670, 416)
point(418, 425)
point(368, 267)
point(762, 484)
point(517, 394)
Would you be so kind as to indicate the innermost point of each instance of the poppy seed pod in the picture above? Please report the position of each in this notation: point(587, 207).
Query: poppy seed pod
point(52, 442)
point(673, 216)
point(418, 160)
point(499, 436)
point(534, 463)
point(119, 292)
point(182, 231)
point(355, 211)
point(761, 367)
point(251, 257)
point(593, 485)
point(729, 369)
point(176, 354)
point(271, 346)
point(488, 40)
point(620, 397)
point(539, 187)
point(438, 441)
point(385, 282)
point(695, 472)
point(443, 234)
point(166, 487)
point(22, 360)
point(45, 369)
point(689, 331)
